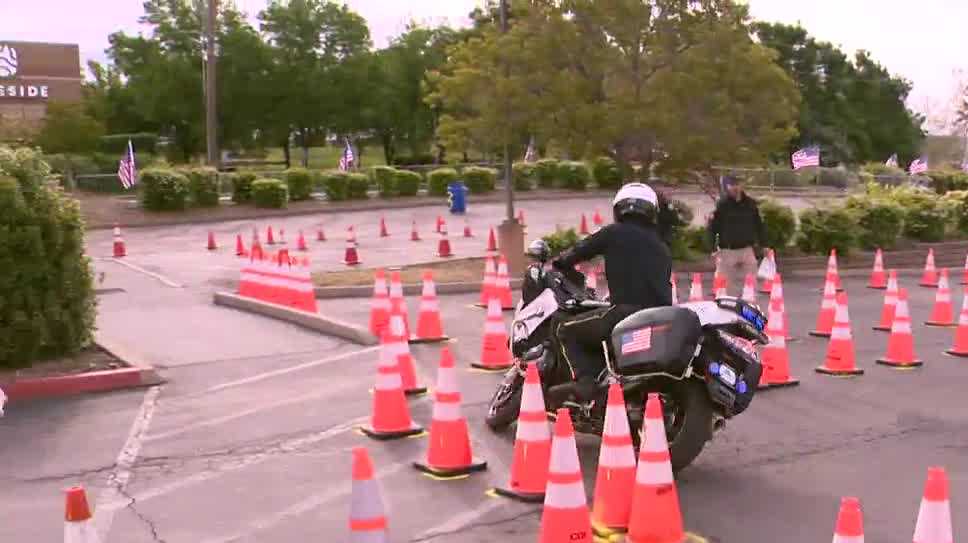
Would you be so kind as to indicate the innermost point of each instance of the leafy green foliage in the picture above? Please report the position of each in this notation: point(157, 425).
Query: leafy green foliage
point(879, 221)
point(824, 229)
point(203, 183)
point(385, 178)
point(779, 222)
point(358, 185)
point(117, 144)
point(561, 241)
point(47, 302)
point(68, 128)
point(335, 184)
point(607, 173)
point(300, 184)
point(525, 175)
point(480, 180)
point(242, 186)
point(270, 193)
point(437, 180)
point(164, 190)
point(574, 175)
point(407, 183)
point(943, 181)
point(546, 170)
point(925, 220)
point(955, 205)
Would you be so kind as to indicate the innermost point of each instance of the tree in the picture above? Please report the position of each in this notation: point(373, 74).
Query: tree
point(68, 128)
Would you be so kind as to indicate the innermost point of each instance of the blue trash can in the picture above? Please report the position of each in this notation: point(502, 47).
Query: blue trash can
point(457, 197)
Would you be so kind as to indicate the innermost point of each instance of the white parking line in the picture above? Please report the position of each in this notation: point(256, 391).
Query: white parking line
point(164, 280)
point(121, 474)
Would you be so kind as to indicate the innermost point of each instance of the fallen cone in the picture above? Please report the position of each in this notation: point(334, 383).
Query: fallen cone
point(850, 522)
point(368, 521)
point(930, 276)
point(960, 348)
point(495, 355)
point(212, 246)
point(565, 514)
point(429, 326)
point(900, 346)
point(828, 310)
point(841, 358)
point(449, 450)
point(616, 469)
point(942, 314)
point(380, 305)
point(119, 250)
point(878, 280)
point(890, 303)
point(934, 515)
point(532, 444)
point(390, 418)
point(78, 524)
point(695, 290)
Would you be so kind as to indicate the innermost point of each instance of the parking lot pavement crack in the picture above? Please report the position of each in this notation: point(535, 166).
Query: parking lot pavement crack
point(132, 502)
point(474, 525)
point(73, 475)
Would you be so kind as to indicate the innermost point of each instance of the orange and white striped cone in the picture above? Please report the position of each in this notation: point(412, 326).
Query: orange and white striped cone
point(78, 524)
point(776, 357)
point(960, 347)
point(832, 270)
point(695, 290)
point(301, 242)
point(211, 246)
point(495, 355)
point(841, 356)
point(767, 286)
point(384, 233)
point(776, 299)
point(942, 314)
point(749, 289)
point(532, 444)
point(930, 276)
point(240, 246)
point(429, 326)
point(828, 310)
point(502, 288)
point(351, 257)
point(368, 521)
point(491, 242)
point(890, 303)
point(934, 515)
point(443, 246)
point(390, 418)
point(270, 238)
point(878, 279)
point(398, 305)
point(440, 221)
point(489, 283)
point(583, 226)
point(119, 249)
point(408, 370)
point(449, 451)
point(675, 289)
point(565, 516)
point(380, 305)
point(414, 235)
point(656, 517)
point(900, 345)
point(521, 218)
point(719, 285)
point(616, 469)
point(597, 220)
point(850, 522)
point(320, 234)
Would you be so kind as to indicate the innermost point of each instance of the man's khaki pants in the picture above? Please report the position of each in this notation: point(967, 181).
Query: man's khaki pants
point(736, 264)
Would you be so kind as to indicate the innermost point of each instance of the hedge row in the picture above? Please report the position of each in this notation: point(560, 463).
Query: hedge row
point(166, 189)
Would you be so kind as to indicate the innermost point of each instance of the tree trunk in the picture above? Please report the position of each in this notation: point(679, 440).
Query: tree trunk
point(286, 153)
point(304, 141)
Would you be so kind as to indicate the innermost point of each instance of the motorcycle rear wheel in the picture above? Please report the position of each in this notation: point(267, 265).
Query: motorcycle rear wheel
point(688, 416)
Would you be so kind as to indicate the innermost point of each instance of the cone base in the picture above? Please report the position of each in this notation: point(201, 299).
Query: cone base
point(484, 306)
point(444, 256)
point(818, 333)
point(830, 371)
point(450, 473)
point(419, 391)
point(440, 339)
point(940, 324)
point(928, 285)
point(792, 338)
point(490, 367)
point(387, 436)
point(899, 364)
point(357, 263)
point(782, 384)
point(877, 287)
point(880, 328)
point(525, 497)
point(952, 352)
point(606, 532)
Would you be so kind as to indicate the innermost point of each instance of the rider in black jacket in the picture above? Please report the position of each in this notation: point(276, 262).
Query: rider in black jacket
point(637, 266)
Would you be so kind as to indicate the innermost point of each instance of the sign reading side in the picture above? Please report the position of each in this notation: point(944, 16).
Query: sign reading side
point(37, 72)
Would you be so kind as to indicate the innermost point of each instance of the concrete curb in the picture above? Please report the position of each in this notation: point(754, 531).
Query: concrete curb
point(409, 289)
point(311, 321)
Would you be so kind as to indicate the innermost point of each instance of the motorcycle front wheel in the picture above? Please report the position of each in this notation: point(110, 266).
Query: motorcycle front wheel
point(505, 404)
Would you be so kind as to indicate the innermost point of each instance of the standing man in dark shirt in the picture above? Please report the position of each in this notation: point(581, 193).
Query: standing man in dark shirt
point(737, 233)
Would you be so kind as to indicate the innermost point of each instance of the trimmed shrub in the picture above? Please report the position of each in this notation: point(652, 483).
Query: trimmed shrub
point(779, 223)
point(525, 175)
point(270, 193)
point(438, 179)
point(203, 184)
point(925, 220)
point(164, 190)
point(336, 184)
point(696, 239)
point(559, 242)
point(955, 205)
point(407, 182)
point(242, 186)
point(607, 173)
point(299, 181)
point(943, 181)
point(546, 170)
point(385, 178)
point(47, 302)
point(824, 229)
point(357, 187)
point(480, 180)
point(574, 175)
point(879, 221)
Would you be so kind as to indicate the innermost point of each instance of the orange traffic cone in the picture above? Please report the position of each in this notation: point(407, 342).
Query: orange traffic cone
point(301, 242)
point(749, 289)
point(212, 246)
point(384, 233)
point(521, 218)
point(467, 230)
point(841, 359)
point(767, 286)
point(495, 355)
point(390, 418)
point(616, 469)
point(440, 221)
point(443, 246)
point(930, 276)
point(270, 239)
point(828, 310)
point(502, 286)
point(776, 358)
point(943, 314)
point(656, 517)
point(408, 371)
point(449, 452)
point(583, 227)
point(320, 234)
point(78, 524)
point(776, 299)
point(597, 220)
point(890, 303)
point(719, 285)
point(878, 279)
point(934, 515)
point(532, 444)
point(255, 235)
point(960, 348)
point(850, 522)
point(368, 521)
point(414, 235)
point(832, 271)
point(351, 257)
point(675, 289)
point(491, 242)
point(119, 248)
point(565, 515)
point(429, 327)
point(380, 305)
point(398, 305)
point(240, 246)
point(900, 345)
point(695, 290)
point(489, 283)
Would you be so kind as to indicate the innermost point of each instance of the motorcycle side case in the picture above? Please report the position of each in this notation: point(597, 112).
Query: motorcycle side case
point(660, 340)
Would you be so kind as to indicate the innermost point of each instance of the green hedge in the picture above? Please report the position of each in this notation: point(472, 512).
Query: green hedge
point(480, 180)
point(546, 171)
point(574, 175)
point(879, 222)
point(299, 181)
point(385, 179)
point(47, 302)
point(407, 183)
point(164, 190)
point(270, 193)
point(525, 175)
point(203, 184)
point(606, 173)
point(359, 184)
point(955, 204)
point(242, 186)
point(943, 181)
point(438, 179)
point(779, 222)
point(335, 184)
point(824, 229)
point(925, 220)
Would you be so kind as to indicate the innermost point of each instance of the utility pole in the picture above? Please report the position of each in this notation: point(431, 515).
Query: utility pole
point(211, 95)
point(510, 232)
point(509, 189)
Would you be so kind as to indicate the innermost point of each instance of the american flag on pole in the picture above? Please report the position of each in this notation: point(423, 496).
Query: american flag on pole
point(892, 162)
point(808, 156)
point(636, 341)
point(347, 160)
point(920, 165)
point(531, 154)
point(127, 170)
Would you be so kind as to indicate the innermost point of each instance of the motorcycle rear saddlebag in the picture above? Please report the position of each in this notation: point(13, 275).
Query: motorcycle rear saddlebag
point(661, 340)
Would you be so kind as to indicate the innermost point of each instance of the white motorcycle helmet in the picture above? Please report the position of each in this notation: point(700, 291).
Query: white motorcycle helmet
point(636, 199)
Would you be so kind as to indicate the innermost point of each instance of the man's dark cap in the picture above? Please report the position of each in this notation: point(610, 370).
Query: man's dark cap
point(730, 180)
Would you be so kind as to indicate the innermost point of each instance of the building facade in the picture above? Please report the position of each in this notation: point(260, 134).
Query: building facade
point(31, 75)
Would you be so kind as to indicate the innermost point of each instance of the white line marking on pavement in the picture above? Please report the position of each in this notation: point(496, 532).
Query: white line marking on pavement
point(460, 521)
point(121, 474)
point(164, 280)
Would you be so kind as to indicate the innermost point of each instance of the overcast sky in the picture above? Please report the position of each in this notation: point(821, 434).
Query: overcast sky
point(925, 41)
